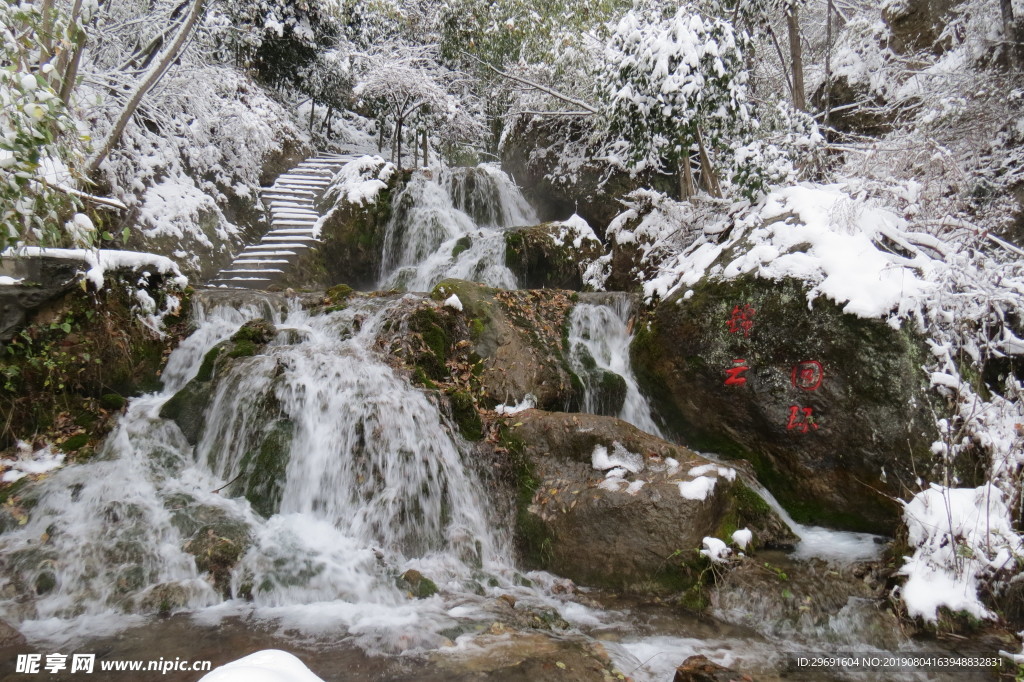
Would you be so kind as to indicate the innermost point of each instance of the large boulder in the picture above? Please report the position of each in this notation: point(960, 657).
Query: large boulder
point(352, 233)
point(74, 350)
point(531, 153)
point(552, 255)
point(830, 408)
point(515, 340)
point(606, 504)
point(916, 25)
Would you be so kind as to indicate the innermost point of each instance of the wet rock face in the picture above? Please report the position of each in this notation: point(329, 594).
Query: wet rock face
point(831, 409)
point(531, 152)
point(577, 521)
point(517, 337)
point(546, 256)
point(353, 242)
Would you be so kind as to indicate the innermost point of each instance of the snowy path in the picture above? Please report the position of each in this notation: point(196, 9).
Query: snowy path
point(292, 203)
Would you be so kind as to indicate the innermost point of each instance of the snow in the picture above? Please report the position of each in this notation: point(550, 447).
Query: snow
point(101, 260)
point(30, 463)
point(576, 230)
point(527, 403)
point(728, 473)
point(453, 302)
point(359, 181)
point(962, 536)
point(269, 665)
point(619, 457)
point(697, 489)
point(742, 537)
point(715, 550)
point(9, 281)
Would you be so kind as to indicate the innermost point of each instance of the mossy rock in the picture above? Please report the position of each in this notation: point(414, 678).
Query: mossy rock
point(75, 442)
point(217, 548)
point(187, 408)
point(263, 469)
point(465, 415)
point(461, 246)
point(112, 401)
point(257, 332)
point(541, 257)
point(827, 401)
point(416, 584)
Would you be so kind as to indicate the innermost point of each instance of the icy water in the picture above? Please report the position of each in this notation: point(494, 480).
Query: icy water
point(374, 482)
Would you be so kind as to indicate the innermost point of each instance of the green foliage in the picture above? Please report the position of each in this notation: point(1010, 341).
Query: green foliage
point(39, 143)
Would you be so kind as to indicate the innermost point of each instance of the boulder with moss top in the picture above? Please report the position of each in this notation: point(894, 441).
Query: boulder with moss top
point(552, 255)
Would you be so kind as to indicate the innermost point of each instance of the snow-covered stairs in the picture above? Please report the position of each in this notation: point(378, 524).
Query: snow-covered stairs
point(292, 203)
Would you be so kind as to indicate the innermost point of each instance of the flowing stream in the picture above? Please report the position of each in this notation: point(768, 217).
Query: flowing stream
point(451, 224)
point(373, 487)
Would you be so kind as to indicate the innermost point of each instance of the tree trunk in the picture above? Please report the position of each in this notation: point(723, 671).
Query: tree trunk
point(327, 120)
point(151, 79)
point(398, 142)
point(380, 137)
point(426, 149)
point(1010, 35)
point(707, 172)
point(685, 176)
point(828, 61)
point(796, 57)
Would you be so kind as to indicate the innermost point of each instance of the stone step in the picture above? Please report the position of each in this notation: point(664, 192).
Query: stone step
point(299, 230)
point(260, 261)
point(292, 223)
point(252, 271)
point(269, 251)
point(297, 240)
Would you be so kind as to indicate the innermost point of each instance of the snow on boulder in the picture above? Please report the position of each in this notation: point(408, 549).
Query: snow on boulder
point(602, 504)
point(453, 302)
point(270, 665)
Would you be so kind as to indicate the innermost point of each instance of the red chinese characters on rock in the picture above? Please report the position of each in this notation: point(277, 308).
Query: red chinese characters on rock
point(801, 419)
point(732, 374)
point(742, 319)
point(807, 375)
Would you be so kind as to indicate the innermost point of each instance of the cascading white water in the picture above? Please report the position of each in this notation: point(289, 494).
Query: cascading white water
point(599, 340)
point(375, 484)
point(452, 224)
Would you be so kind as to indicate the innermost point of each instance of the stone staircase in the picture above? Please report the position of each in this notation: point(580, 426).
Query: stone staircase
point(293, 213)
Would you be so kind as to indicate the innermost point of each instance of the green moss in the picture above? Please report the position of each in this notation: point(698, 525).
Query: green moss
point(242, 349)
point(255, 331)
point(417, 584)
point(431, 327)
point(532, 537)
point(75, 442)
point(338, 294)
point(112, 401)
point(205, 372)
point(264, 470)
point(463, 244)
point(420, 377)
point(465, 415)
point(476, 328)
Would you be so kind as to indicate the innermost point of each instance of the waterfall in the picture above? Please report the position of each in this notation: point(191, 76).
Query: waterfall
point(451, 224)
point(375, 483)
point(599, 340)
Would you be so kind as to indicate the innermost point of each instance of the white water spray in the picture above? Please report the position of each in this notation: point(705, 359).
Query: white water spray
point(452, 226)
point(599, 340)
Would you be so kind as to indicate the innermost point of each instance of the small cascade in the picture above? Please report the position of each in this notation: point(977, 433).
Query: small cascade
point(451, 224)
point(599, 339)
point(374, 483)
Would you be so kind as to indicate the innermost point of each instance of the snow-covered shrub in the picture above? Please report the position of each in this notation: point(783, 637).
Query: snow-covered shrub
point(962, 538)
point(674, 85)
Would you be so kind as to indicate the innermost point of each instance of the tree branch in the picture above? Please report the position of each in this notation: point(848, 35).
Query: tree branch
point(154, 75)
point(537, 86)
